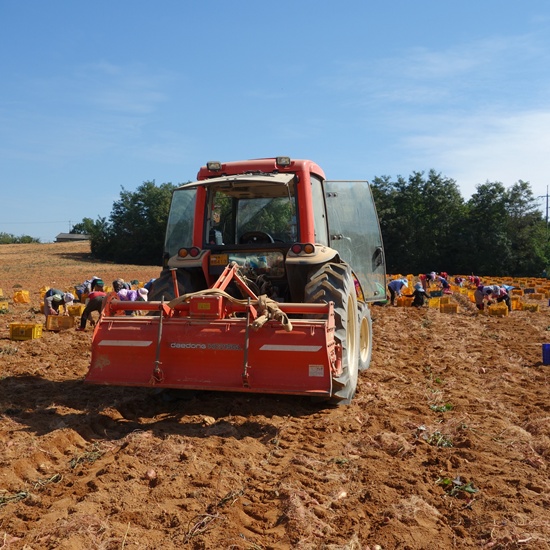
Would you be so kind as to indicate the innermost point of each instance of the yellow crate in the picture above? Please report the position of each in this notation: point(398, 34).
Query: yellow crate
point(25, 331)
point(76, 310)
point(536, 296)
point(43, 291)
point(445, 300)
point(22, 297)
point(448, 308)
point(4, 306)
point(498, 310)
point(534, 308)
point(1, 292)
point(515, 302)
point(517, 292)
point(434, 302)
point(59, 322)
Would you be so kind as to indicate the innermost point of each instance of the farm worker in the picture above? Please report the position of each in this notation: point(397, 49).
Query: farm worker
point(396, 288)
point(86, 287)
point(120, 284)
point(444, 284)
point(132, 295)
point(149, 284)
point(139, 295)
point(484, 293)
point(426, 279)
point(474, 280)
point(479, 297)
point(488, 290)
point(54, 299)
point(419, 295)
point(503, 296)
point(95, 303)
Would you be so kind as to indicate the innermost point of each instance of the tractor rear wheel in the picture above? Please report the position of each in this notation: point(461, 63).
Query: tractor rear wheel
point(164, 285)
point(334, 283)
point(365, 337)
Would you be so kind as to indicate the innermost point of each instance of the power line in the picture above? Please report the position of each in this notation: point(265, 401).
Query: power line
point(27, 223)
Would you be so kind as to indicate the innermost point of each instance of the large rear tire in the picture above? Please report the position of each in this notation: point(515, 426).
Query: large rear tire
point(334, 283)
point(365, 337)
point(164, 285)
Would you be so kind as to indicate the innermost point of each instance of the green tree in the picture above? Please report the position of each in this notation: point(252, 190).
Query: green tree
point(419, 218)
point(135, 231)
point(487, 235)
point(8, 238)
point(527, 231)
point(85, 227)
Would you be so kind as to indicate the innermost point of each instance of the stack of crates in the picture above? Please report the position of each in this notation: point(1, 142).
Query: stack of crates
point(25, 331)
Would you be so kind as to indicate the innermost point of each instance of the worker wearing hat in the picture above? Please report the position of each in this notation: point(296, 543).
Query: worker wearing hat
point(396, 288)
point(419, 295)
point(54, 299)
point(95, 303)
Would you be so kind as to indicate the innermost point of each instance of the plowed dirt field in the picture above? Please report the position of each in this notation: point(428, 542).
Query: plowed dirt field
point(446, 444)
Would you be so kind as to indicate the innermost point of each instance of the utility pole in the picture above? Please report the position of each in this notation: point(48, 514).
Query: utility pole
point(547, 212)
point(546, 218)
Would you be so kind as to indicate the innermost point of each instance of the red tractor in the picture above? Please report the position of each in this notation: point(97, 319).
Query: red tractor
point(268, 273)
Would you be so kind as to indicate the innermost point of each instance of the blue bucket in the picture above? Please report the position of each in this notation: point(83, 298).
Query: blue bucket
point(546, 354)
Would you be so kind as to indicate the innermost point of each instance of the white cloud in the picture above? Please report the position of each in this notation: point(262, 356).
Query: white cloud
point(473, 149)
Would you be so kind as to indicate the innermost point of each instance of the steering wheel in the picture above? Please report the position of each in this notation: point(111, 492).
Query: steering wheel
point(256, 237)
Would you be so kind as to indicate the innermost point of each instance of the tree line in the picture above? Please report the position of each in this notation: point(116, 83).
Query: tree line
point(426, 225)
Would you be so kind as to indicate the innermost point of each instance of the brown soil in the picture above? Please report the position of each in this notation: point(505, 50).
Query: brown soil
point(446, 444)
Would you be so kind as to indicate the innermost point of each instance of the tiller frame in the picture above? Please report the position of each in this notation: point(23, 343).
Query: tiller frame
point(209, 340)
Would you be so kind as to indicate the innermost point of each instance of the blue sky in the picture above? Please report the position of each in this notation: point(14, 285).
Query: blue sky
point(96, 96)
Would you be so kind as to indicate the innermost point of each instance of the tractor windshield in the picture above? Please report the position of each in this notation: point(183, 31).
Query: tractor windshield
point(251, 214)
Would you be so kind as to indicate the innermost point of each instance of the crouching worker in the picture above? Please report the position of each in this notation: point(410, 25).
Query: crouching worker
point(503, 296)
point(419, 295)
point(54, 299)
point(95, 303)
point(481, 294)
point(139, 295)
point(396, 287)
